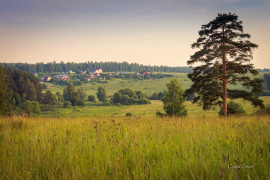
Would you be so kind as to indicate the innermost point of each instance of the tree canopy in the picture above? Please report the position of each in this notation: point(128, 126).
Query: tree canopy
point(173, 100)
point(224, 56)
point(101, 94)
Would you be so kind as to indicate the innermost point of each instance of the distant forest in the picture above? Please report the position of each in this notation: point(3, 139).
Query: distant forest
point(89, 66)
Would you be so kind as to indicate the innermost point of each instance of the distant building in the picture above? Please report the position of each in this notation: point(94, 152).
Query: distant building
point(97, 70)
point(46, 78)
point(83, 72)
point(63, 77)
point(146, 72)
point(92, 76)
point(71, 72)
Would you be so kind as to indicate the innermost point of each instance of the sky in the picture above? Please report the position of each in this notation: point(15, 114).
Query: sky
point(155, 32)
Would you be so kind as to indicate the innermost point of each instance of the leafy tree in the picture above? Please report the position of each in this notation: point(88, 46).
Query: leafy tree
point(49, 98)
point(4, 95)
point(60, 98)
point(44, 86)
point(17, 99)
point(160, 95)
point(139, 94)
point(173, 100)
point(128, 97)
point(81, 93)
point(266, 81)
point(101, 94)
point(224, 54)
point(30, 108)
point(154, 96)
point(75, 97)
point(91, 98)
point(127, 92)
point(67, 104)
point(69, 93)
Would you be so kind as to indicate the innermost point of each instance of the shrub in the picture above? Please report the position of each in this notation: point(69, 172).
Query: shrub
point(233, 108)
point(91, 98)
point(44, 86)
point(160, 114)
point(67, 104)
point(128, 97)
point(265, 111)
point(128, 114)
point(30, 108)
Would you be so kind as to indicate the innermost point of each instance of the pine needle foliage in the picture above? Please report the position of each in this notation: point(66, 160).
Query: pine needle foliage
point(224, 54)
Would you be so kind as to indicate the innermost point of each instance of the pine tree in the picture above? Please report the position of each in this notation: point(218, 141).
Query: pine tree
point(224, 55)
point(173, 100)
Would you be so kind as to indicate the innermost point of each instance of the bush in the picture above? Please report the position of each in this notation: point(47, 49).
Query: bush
point(67, 104)
point(30, 108)
point(128, 114)
point(129, 97)
point(44, 86)
point(160, 114)
point(233, 108)
point(265, 111)
point(91, 98)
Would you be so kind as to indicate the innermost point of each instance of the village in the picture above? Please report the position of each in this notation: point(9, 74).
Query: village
point(95, 75)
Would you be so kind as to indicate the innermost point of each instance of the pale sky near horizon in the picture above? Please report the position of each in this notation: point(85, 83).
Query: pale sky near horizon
point(155, 32)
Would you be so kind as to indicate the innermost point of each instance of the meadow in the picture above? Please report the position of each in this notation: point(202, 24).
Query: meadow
point(100, 142)
point(148, 110)
point(147, 86)
point(135, 148)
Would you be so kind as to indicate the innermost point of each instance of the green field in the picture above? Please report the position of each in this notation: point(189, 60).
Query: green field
point(91, 109)
point(148, 86)
point(99, 142)
point(135, 148)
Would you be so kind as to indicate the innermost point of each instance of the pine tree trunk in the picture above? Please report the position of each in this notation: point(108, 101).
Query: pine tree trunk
point(224, 79)
point(224, 86)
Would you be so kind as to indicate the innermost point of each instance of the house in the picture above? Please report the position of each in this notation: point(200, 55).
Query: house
point(46, 78)
point(63, 77)
point(92, 76)
point(71, 72)
point(97, 70)
point(83, 72)
point(146, 72)
point(137, 73)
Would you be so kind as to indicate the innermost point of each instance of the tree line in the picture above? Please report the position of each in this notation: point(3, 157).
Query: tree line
point(90, 65)
point(19, 92)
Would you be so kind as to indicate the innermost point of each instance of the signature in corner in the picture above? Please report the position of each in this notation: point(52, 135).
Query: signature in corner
point(241, 166)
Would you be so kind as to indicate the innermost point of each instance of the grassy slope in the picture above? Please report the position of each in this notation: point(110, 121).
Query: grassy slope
point(135, 148)
point(146, 86)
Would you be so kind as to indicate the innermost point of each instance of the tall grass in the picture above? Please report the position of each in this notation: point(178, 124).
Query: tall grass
point(135, 148)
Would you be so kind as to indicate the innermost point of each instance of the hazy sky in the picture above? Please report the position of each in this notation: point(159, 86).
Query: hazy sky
point(156, 32)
